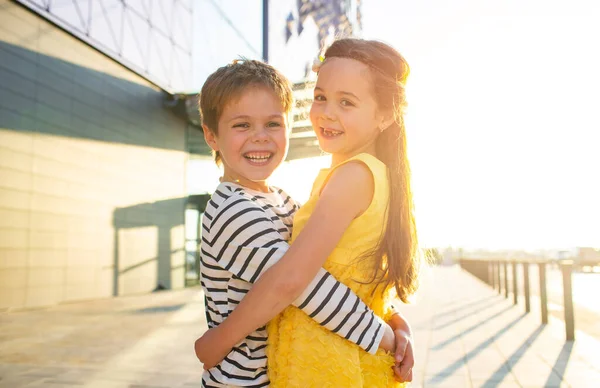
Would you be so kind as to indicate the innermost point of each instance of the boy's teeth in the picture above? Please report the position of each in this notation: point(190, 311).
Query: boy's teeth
point(258, 157)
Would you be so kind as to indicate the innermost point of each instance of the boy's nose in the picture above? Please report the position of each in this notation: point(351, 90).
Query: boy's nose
point(260, 135)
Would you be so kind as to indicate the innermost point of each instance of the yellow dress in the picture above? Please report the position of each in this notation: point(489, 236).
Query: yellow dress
point(303, 354)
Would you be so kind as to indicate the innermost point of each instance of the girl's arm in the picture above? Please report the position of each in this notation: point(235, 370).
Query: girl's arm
point(347, 194)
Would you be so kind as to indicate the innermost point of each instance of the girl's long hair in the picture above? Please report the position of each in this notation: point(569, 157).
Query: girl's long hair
point(397, 254)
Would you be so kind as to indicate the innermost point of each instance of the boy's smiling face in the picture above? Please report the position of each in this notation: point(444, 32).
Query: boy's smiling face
point(252, 137)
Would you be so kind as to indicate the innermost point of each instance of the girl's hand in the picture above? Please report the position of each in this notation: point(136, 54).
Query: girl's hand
point(403, 356)
point(210, 349)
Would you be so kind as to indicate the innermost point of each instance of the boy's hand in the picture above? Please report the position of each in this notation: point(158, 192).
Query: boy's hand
point(210, 349)
point(403, 356)
point(388, 342)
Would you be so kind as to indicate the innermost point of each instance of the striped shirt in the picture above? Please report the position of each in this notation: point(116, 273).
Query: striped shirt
point(245, 232)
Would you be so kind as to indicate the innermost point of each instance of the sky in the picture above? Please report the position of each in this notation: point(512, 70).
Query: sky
point(503, 124)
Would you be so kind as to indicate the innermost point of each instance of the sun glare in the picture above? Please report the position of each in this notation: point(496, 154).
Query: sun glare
point(502, 123)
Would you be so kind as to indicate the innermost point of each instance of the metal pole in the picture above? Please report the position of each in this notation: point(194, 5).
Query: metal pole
point(499, 277)
point(566, 267)
point(543, 293)
point(265, 31)
point(526, 287)
point(515, 283)
point(506, 280)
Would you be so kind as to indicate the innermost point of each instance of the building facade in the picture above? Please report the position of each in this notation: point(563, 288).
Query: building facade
point(99, 132)
point(92, 171)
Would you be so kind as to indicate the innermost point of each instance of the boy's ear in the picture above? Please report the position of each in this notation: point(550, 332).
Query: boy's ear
point(289, 119)
point(210, 138)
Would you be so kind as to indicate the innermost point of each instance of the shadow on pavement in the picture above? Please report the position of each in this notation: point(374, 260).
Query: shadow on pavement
point(500, 373)
point(447, 342)
point(464, 306)
point(157, 309)
point(560, 365)
point(450, 369)
point(465, 315)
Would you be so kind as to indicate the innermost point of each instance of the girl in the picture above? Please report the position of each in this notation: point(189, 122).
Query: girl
point(247, 223)
point(360, 214)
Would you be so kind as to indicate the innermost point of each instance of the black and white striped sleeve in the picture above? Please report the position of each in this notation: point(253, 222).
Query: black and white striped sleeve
point(245, 241)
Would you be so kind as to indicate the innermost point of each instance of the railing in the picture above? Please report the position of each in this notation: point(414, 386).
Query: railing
point(495, 273)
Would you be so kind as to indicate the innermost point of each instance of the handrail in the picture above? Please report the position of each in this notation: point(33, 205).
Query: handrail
point(490, 271)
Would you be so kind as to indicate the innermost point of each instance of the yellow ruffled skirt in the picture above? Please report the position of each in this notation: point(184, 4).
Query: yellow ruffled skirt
point(303, 354)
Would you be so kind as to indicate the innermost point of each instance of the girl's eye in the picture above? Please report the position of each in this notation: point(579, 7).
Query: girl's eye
point(274, 124)
point(319, 97)
point(241, 125)
point(346, 103)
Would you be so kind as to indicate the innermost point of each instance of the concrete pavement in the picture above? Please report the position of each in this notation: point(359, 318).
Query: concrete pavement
point(466, 335)
point(135, 342)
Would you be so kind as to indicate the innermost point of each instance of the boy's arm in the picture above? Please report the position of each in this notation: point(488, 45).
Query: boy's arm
point(348, 194)
point(244, 240)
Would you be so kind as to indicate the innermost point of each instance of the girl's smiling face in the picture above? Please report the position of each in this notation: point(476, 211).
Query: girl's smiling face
point(344, 113)
point(252, 137)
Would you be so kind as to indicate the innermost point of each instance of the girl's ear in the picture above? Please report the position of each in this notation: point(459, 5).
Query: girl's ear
point(385, 122)
point(210, 138)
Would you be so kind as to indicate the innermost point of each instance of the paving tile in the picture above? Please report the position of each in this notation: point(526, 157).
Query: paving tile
point(457, 381)
point(495, 384)
point(490, 372)
point(18, 381)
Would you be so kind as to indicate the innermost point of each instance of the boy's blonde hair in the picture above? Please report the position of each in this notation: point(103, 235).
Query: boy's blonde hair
point(229, 82)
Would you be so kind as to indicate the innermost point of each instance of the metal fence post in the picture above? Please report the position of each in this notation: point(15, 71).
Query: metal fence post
point(506, 279)
point(543, 293)
point(499, 277)
point(566, 267)
point(515, 283)
point(526, 286)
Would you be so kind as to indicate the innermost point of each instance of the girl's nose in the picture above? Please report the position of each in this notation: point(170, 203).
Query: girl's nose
point(327, 112)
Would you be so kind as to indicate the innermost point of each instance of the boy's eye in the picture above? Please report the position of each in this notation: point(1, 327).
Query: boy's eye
point(319, 97)
point(274, 124)
point(347, 103)
point(241, 125)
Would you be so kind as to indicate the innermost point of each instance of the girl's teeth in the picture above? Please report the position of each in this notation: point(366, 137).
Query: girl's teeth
point(331, 132)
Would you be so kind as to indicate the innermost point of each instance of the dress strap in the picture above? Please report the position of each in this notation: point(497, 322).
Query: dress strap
point(377, 168)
